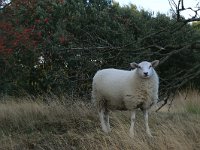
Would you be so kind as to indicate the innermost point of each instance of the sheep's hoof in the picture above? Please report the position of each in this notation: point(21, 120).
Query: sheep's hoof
point(109, 130)
point(106, 130)
point(149, 135)
point(153, 134)
point(131, 135)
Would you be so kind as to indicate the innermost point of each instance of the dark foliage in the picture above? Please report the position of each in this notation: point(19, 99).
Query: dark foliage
point(57, 46)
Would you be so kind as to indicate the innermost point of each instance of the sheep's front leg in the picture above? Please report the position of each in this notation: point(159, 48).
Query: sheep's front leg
point(146, 122)
point(104, 118)
point(131, 131)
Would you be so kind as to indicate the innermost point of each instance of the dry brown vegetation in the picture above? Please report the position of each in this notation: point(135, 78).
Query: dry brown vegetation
point(68, 123)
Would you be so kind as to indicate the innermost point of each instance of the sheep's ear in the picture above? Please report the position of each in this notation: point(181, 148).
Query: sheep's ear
point(155, 63)
point(134, 65)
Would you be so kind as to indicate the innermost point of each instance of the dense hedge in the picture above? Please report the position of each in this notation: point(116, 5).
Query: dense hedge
point(57, 46)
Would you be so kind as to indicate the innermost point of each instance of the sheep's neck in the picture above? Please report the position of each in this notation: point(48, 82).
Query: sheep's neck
point(143, 84)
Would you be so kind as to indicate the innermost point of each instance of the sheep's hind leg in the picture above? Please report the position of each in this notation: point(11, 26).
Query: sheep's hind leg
point(146, 122)
point(107, 120)
point(104, 118)
point(131, 131)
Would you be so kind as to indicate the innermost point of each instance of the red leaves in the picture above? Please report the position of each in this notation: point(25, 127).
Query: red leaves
point(30, 4)
point(38, 21)
point(62, 39)
point(39, 34)
point(5, 26)
point(24, 31)
point(27, 30)
point(46, 20)
point(16, 38)
point(6, 29)
point(3, 48)
point(61, 1)
point(24, 38)
point(65, 39)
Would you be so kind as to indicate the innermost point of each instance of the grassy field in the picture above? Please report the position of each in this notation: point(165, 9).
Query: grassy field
point(67, 123)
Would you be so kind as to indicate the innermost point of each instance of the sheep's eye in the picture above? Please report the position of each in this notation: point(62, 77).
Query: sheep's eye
point(150, 66)
point(139, 67)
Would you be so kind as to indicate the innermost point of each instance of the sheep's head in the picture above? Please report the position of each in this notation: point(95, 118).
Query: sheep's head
point(145, 69)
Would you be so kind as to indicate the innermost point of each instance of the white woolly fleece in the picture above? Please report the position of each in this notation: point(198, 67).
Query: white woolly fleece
point(124, 90)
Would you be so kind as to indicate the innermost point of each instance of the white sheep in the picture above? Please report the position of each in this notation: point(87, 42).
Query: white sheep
point(114, 89)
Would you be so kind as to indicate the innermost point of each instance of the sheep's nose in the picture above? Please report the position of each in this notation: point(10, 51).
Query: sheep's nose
point(146, 73)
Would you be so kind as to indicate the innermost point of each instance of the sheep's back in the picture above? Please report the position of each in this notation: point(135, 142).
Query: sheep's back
point(111, 83)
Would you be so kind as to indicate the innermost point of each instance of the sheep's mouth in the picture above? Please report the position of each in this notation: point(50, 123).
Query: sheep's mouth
point(145, 76)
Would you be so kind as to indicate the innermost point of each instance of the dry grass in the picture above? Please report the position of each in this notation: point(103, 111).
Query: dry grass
point(188, 101)
point(66, 123)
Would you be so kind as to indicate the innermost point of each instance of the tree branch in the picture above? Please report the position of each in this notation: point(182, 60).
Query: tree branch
point(178, 8)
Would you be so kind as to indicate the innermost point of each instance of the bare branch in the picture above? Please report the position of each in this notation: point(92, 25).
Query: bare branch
point(179, 7)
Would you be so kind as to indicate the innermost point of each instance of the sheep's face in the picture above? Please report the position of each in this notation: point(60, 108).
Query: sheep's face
point(145, 69)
